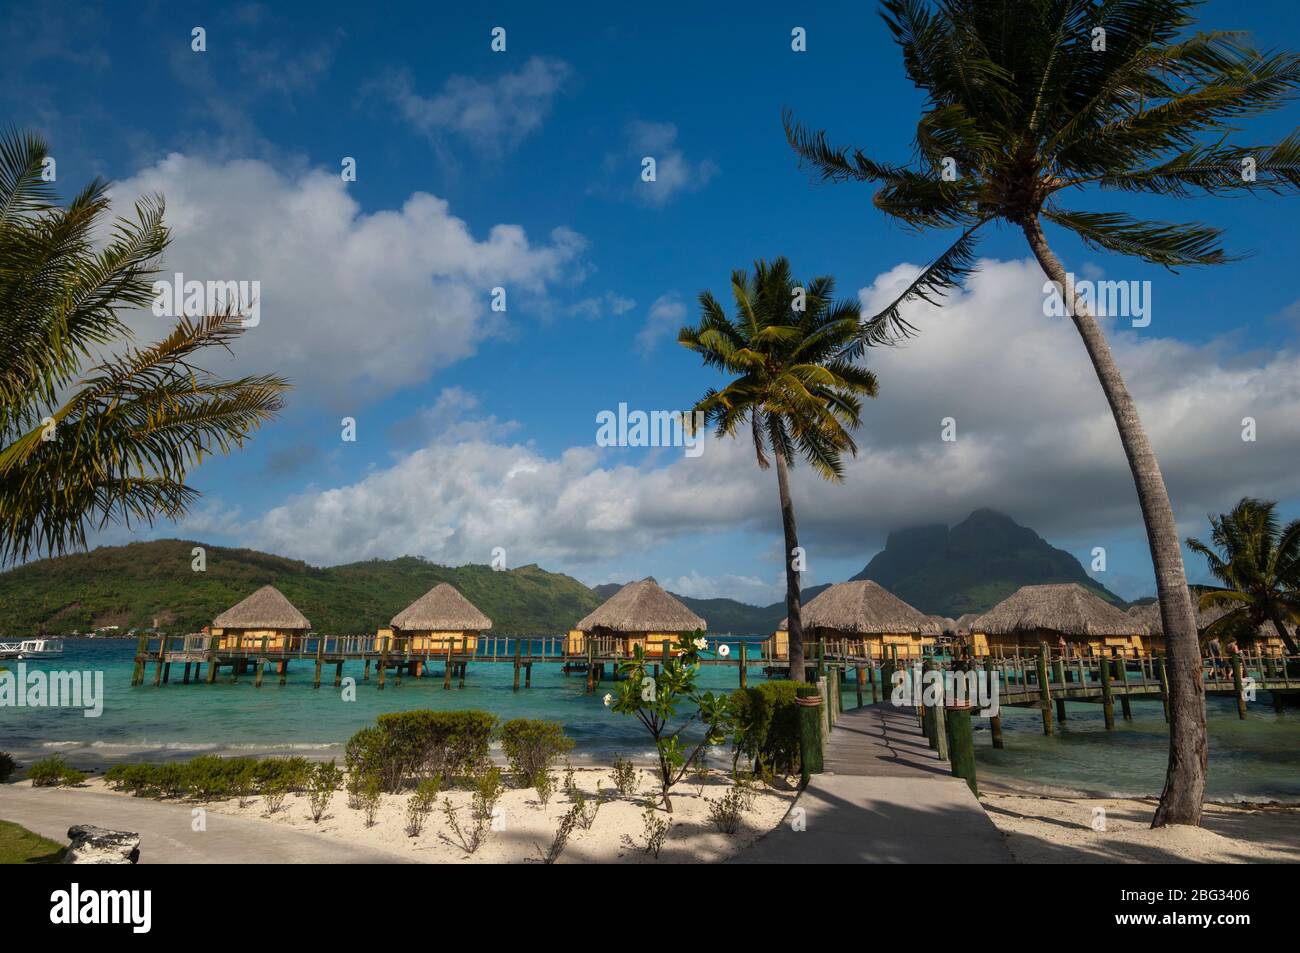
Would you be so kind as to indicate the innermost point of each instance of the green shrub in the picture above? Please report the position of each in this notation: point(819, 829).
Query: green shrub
point(533, 746)
point(766, 731)
point(53, 772)
point(7, 766)
point(208, 778)
point(323, 783)
point(433, 744)
point(368, 754)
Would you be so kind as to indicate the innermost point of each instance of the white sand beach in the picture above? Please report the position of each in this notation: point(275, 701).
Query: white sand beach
point(525, 829)
point(1046, 829)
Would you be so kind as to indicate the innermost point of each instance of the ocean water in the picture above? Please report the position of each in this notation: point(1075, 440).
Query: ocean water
point(1253, 760)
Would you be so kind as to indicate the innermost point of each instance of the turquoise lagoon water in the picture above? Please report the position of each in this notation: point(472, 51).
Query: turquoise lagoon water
point(1253, 760)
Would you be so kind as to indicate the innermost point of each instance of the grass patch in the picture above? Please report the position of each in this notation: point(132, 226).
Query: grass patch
point(18, 845)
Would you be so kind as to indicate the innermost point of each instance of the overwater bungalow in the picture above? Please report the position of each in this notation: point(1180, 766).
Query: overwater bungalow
point(641, 613)
point(1265, 639)
point(1033, 615)
point(861, 618)
point(265, 620)
point(442, 618)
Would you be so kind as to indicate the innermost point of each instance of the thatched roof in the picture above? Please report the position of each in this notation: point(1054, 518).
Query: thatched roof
point(1150, 615)
point(866, 608)
point(964, 621)
point(642, 607)
point(441, 609)
point(1066, 608)
point(265, 609)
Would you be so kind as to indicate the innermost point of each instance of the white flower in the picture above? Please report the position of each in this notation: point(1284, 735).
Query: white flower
point(608, 698)
point(701, 643)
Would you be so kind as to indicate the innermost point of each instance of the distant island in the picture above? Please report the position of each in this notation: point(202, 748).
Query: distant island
point(943, 571)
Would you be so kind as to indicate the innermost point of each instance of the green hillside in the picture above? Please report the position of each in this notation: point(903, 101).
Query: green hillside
point(134, 585)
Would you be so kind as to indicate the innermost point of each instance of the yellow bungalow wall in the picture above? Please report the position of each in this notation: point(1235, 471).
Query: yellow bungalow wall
point(276, 640)
point(426, 640)
point(873, 646)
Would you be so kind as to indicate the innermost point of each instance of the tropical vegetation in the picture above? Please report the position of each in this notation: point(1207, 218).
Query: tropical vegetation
point(94, 429)
point(1257, 563)
point(1027, 103)
point(797, 387)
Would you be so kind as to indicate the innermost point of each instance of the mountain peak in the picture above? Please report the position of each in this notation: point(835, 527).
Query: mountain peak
point(972, 566)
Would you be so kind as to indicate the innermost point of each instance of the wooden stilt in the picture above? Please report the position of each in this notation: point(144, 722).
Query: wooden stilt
point(338, 673)
point(519, 646)
point(1044, 689)
point(995, 721)
point(1107, 697)
point(185, 676)
point(260, 669)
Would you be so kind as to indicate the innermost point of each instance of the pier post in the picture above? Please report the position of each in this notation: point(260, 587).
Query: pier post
point(528, 675)
point(929, 724)
point(518, 652)
point(283, 669)
point(1058, 672)
point(1238, 685)
point(141, 647)
point(857, 675)
point(446, 667)
point(162, 656)
point(871, 670)
point(961, 745)
point(810, 732)
point(212, 659)
point(995, 721)
point(744, 664)
point(940, 715)
point(260, 669)
point(460, 671)
point(1044, 689)
point(1124, 701)
point(185, 677)
point(591, 665)
point(320, 652)
point(381, 670)
point(167, 672)
point(1107, 697)
point(338, 673)
point(365, 676)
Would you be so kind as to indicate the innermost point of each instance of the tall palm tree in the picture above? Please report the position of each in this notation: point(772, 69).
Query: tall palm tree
point(1258, 564)
point(797, 387)
point(1029, 101)
point(92, 429)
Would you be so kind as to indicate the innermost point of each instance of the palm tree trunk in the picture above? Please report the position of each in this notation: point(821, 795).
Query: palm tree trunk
point(792, 597)
point(1180, 801)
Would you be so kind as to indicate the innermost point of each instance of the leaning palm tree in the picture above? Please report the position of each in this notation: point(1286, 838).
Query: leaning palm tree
point(1032, 101)
point(1258, 565)
point(94, 430)
point(796, 388)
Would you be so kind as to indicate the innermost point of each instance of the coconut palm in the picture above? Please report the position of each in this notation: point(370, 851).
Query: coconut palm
point(1032, 101)
point(1258, 565)
point(93, 429)
point(797, 388)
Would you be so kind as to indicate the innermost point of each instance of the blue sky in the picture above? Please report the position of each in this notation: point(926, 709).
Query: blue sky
point(520, 169)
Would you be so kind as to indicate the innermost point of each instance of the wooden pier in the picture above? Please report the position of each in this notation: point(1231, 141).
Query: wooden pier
point(1045, 681)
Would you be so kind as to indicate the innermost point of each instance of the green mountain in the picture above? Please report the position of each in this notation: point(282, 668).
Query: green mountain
point(136, 585)
point(968, 568)
point(972, 566)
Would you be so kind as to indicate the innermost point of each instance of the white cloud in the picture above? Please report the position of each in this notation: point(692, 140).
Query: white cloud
point(674, 172)
point(1035, 439)
point(665, 318)
point(493, 116)
point(597, 306)
point(354, 305)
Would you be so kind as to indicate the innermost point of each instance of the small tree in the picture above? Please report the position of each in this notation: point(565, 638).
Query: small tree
point(654, 702)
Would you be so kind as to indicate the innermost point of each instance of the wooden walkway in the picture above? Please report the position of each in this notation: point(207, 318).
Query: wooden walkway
point(885, 798)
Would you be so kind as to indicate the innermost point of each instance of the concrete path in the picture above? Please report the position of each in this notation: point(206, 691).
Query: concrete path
point(165, 834)
point(885, 798)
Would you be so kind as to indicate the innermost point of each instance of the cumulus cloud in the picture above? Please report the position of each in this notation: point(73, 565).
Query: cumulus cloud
point(354, 305)
point(1034, 438)
point(665, 318)
point(674, 172)
point(493, 116)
